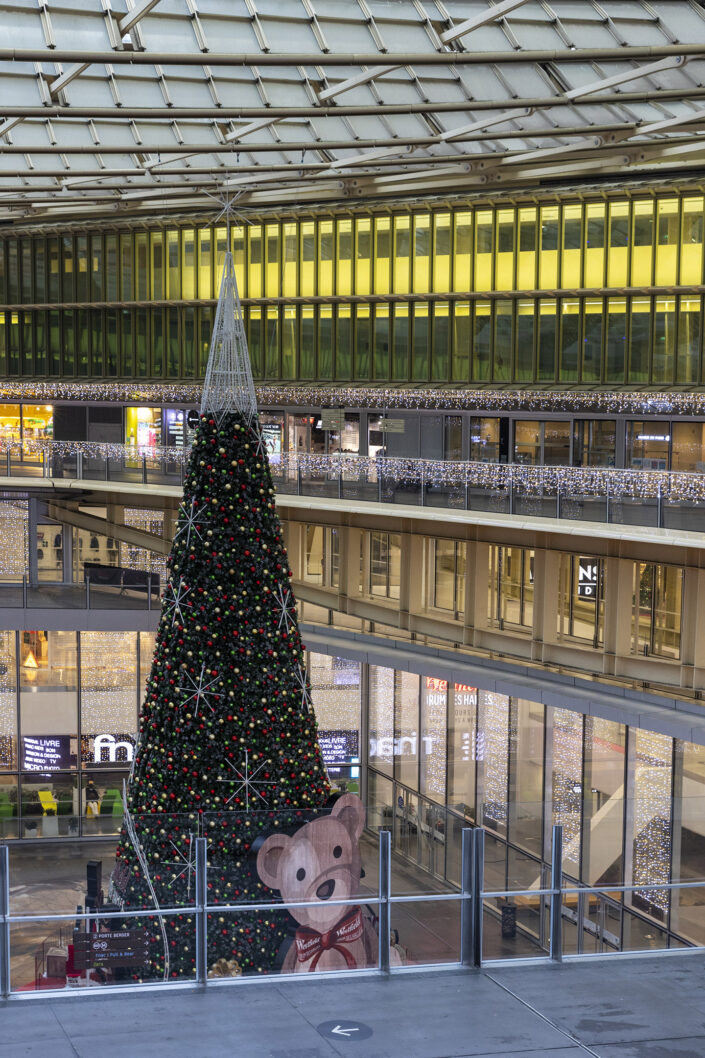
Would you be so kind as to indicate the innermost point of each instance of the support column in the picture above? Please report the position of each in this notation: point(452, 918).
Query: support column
point(618, 587)
point(476, 590)
point(413, 582)
point(546, 587)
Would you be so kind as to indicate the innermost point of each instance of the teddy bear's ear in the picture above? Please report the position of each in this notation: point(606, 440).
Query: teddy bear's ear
point(350, 810)
point(270, 857)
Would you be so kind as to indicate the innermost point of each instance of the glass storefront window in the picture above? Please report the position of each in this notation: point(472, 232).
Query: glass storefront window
point(484, 440)
point(143, 426)
point(526, 762)
point(648, 444)
point(349, 442)
point(336, 693)
point(492, 754)
point(407, 744)
point(511, 588)
point(448, 576)
point(603, 801)
point(381, 719)
point(463, 749)
point(581, 600)
point(385, 565)
point(564, 783)
point(688, 449)
point(594, 442)
point(657, 610)
point(432, 755)
point(8, 707)
point(48, 704)
point(526, 258)
point(650, 836)
point(109, 692)
point(691, 256)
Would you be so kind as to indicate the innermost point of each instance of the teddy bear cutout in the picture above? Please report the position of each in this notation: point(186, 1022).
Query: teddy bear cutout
point(321, 862)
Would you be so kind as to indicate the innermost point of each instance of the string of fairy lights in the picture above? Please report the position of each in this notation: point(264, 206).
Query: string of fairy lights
point(652, 817)
point(384, 476)
point(351, 396)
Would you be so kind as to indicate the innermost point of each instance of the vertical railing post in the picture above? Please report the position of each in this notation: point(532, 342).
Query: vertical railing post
point(558, 499)
point(423, 484)
point(607, 503)
point(144, 469)
point(8, 460)
point(201, 914)
point(149, 591)
point(556, 942)
point(659, 509)
point(511, 491)
point(79, 466)
point(88, 591)
point(340, 479)
point(467, 488)
point(385, 887)
point(467, 852)
point(24, 591)
point(106, 465)
point(5, 981)
point(478, 878)
point(379, 481)
point(298, 476)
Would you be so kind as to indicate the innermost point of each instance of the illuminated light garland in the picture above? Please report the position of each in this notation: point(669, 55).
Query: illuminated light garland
point(108, 682)
point(567, 776)
point(652, 817)
point(14, 530)
point(493, 724)
point(389, 473)
point(621, 402)
point(434, 709)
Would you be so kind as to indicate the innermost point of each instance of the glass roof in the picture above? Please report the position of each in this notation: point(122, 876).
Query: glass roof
point(115, 106)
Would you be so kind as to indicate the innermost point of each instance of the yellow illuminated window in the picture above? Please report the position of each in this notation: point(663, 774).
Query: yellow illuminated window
point(172, 257)
point(271, 261)
point(664, 340)
point(548, 254)
point(569, 348)
point(363, 252)
point(422, 256)
point(503, 340)
point(400, 349)
point(402, 258)
point(592, 340)
point(440, 358)
point(254, 238)
point(345, 235)
point(237, 238)
point(618, 260)
point(383, 251)
point(481, 341)
point(504, 268)
point(642, 243)
point(462, 251)
point(483, 250)
point(572, 246)
point(526, 262)
point(307, 266)
point(441, 253)
point(689, 329)
point(205, 267)
point(594, 258)
point(667, 240)
point(325, 257)
point(526, 334)
point(380, 356)
point(461, 342)
point(289, 342)
point(188, 264)
point(692, 241)
point(289, 262)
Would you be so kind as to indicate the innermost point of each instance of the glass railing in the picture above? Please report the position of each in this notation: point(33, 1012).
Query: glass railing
point(674, 500)
point(206, 899)
point(115, 587)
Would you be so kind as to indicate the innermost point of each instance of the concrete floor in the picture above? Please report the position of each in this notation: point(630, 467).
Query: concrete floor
point(620, 1008)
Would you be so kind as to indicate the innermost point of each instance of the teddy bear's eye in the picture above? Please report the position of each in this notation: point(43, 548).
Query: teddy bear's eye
point(301, 873)
point(338, 851)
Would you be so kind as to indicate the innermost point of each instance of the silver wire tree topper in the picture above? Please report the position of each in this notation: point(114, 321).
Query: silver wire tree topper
point(228, 385)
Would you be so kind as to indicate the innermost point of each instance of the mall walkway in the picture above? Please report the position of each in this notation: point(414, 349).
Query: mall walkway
point(629, 1008)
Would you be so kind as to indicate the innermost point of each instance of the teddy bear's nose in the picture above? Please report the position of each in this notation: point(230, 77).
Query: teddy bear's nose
point(325, 889)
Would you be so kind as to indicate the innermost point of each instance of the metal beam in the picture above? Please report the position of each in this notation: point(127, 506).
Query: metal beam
point(319, 59)
point(133, 17)
point(126, 534)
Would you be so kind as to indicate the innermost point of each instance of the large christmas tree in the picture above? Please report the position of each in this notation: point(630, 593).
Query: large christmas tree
point(227, 742)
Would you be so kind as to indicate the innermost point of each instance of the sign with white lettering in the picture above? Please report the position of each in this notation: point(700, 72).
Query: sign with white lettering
point(46, 752)
point(588, 572)
point(107, 749)
point(339, 747)
point(118, 948)
point(332, 420)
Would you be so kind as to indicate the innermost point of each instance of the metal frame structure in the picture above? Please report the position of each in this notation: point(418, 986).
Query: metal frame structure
point(322, 102)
